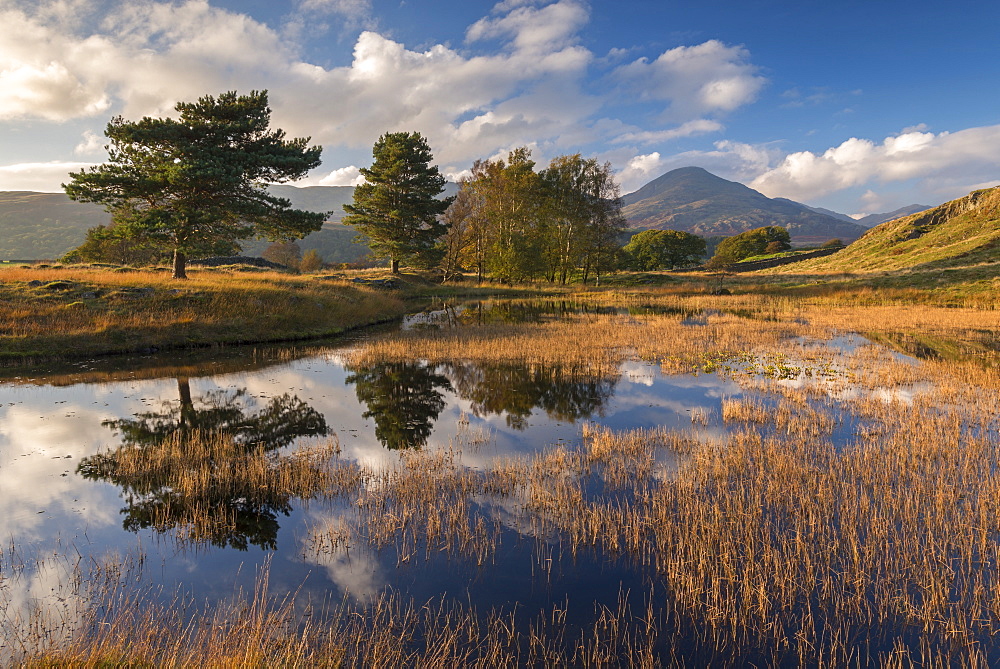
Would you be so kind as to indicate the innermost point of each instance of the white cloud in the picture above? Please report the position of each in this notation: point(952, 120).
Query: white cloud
point(345, 176)
point(141, 57)
point(92, 143)
point(42, 177)
point(696, 127)
point(37, 77)
point(639, 171)
point(146, 56)
point(735, 161)
point(694, 80)
point(533, 29)
point(948, 163)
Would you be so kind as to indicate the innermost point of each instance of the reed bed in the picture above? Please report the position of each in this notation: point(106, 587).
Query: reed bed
point(783, 543)
point(777, 545)
point(121, 627)
point(849, 516)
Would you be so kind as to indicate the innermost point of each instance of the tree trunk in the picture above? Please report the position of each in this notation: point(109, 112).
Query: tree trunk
point(180, 264)
point(395, 266)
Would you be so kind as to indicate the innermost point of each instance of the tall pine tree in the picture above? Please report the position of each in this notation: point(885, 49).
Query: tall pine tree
point(198, 182)
point(397, 207)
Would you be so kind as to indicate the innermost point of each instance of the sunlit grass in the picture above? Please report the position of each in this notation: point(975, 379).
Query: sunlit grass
point(49, 313)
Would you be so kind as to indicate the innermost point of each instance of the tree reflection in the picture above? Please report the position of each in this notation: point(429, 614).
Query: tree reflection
point(403, 398)
point(533, 311)
point(516, 390)
point(207, 468)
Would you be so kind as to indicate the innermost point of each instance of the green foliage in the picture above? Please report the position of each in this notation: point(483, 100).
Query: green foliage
point(199, 180)
point(397, 207)
point(582, 217)
point(463, 245)
point(508, 203)
point(113, 244)
point(105, 245)
point(515, 224)
point(663, 249)
point(832, 244)
point(751, 243)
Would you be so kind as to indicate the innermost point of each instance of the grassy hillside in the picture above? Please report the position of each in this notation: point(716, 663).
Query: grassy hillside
point(959, 233)
point(37, 226)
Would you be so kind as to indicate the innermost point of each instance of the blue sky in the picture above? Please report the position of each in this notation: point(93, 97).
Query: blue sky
point(860, 107)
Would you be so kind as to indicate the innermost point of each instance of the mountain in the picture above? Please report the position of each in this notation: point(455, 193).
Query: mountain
point(46, 226)
point(695, 200)
point(871, 220)
point(317, 198)
point(820, 210)
point(958, 233)
point(35, 226)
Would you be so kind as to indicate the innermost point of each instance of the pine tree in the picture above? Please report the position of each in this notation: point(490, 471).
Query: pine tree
point(397, 207)
point(199, 181)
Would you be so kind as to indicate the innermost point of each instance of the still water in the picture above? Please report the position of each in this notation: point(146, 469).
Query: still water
point(59, 497)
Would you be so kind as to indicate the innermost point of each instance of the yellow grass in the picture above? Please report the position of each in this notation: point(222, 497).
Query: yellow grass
point(95, 311)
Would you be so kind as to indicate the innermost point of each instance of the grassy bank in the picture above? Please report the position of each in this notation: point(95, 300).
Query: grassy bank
point(54, 312)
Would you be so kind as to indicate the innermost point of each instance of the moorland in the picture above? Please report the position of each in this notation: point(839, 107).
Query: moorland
point(839, 507)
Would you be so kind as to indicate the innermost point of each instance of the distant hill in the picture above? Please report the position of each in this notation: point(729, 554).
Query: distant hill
point(46, 226)
point(871, 220)
point(958, 233)
point(820, 210)
point(37, 226)
point(697, 201)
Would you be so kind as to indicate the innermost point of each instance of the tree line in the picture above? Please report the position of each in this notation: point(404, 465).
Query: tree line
point(508, 221)
point(196, 186)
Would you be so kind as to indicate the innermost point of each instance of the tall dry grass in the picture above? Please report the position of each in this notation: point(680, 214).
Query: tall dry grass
point(849, 517)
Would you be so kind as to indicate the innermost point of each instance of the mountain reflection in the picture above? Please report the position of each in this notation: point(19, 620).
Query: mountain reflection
point(403, 398)
point(205, 467)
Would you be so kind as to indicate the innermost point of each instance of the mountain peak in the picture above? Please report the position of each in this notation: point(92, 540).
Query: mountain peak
point(693, 199)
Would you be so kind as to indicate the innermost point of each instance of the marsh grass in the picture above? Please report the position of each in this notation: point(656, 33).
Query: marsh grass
point(780, 543)
point(120, 627)
point(848, 515)
point(199, 487)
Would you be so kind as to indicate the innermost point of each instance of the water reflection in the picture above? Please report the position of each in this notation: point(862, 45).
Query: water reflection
point(524, 311)
point(517, 390)
point(199, 466)
point(225, 412)
point(403, 398)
